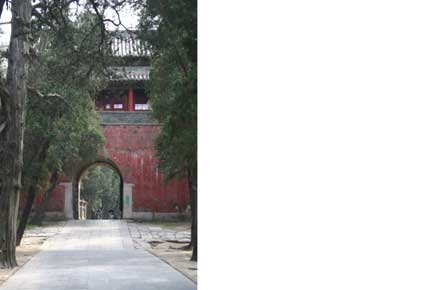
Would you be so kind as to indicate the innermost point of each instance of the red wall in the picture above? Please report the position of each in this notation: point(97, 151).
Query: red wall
point(131, 148)
point(56, 201)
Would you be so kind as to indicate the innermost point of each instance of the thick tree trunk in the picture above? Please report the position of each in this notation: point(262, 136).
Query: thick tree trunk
point(11, 136)
point(32, 192)
point(38, 158)
point(8, 219)
point(192, 181)
point(39, 212)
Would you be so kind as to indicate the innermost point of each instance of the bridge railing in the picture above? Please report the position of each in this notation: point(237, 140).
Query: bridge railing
point(82, 210)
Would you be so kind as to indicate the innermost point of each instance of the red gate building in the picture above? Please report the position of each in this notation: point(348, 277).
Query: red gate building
point(129, 130)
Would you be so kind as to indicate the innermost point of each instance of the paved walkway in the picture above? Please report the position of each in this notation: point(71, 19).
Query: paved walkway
point(95, 255)
point(167, 241)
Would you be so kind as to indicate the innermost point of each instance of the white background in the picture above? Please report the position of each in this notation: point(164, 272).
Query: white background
point(319, 145)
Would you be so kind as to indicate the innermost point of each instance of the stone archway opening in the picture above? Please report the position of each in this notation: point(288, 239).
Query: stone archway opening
point(98, 191)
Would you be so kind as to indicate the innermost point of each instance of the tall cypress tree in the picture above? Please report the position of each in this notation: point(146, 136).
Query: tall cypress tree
point(170, 29)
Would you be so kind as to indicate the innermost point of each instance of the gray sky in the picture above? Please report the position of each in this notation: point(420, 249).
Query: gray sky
point(6, 28)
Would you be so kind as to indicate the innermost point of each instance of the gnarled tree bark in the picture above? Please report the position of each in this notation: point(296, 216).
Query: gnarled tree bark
point(192, 181)
point(30, 198)
point(31, 189)
point(39, 211)
point(11, 137)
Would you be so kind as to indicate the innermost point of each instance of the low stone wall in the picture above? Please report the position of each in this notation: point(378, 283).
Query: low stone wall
point(160, 216)
point(54, 216)
point(143, 215)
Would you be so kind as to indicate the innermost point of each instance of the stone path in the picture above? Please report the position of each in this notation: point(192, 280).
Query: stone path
point(167, 240)
point(95, 255)
point(33, 239)
point(157, 234)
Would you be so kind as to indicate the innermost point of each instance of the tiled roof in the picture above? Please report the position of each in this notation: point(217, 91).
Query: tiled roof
point(124, 43)
point(132, 73)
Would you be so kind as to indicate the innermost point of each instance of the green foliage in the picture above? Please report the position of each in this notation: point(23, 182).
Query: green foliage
point(62, 127)
point(74, 54)
point(100, 187)
point(170, 29)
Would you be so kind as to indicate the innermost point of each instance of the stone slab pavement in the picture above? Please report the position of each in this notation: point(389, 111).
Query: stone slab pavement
point(95, 255)
point(166, 240)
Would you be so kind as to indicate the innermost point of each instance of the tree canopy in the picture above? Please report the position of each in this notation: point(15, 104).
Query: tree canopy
point(170, 30)
point(57, 53)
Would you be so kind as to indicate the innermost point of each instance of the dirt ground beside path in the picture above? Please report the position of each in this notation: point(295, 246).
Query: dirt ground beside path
point(33, 239)
point(166, 240)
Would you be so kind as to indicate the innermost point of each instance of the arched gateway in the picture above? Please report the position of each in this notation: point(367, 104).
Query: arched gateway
point(129, 130)
point(77, 186)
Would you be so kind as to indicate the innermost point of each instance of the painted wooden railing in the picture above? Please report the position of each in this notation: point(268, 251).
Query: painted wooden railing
point(82, 210)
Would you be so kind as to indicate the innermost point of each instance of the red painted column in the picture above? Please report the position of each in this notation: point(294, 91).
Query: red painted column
point(130, 100)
